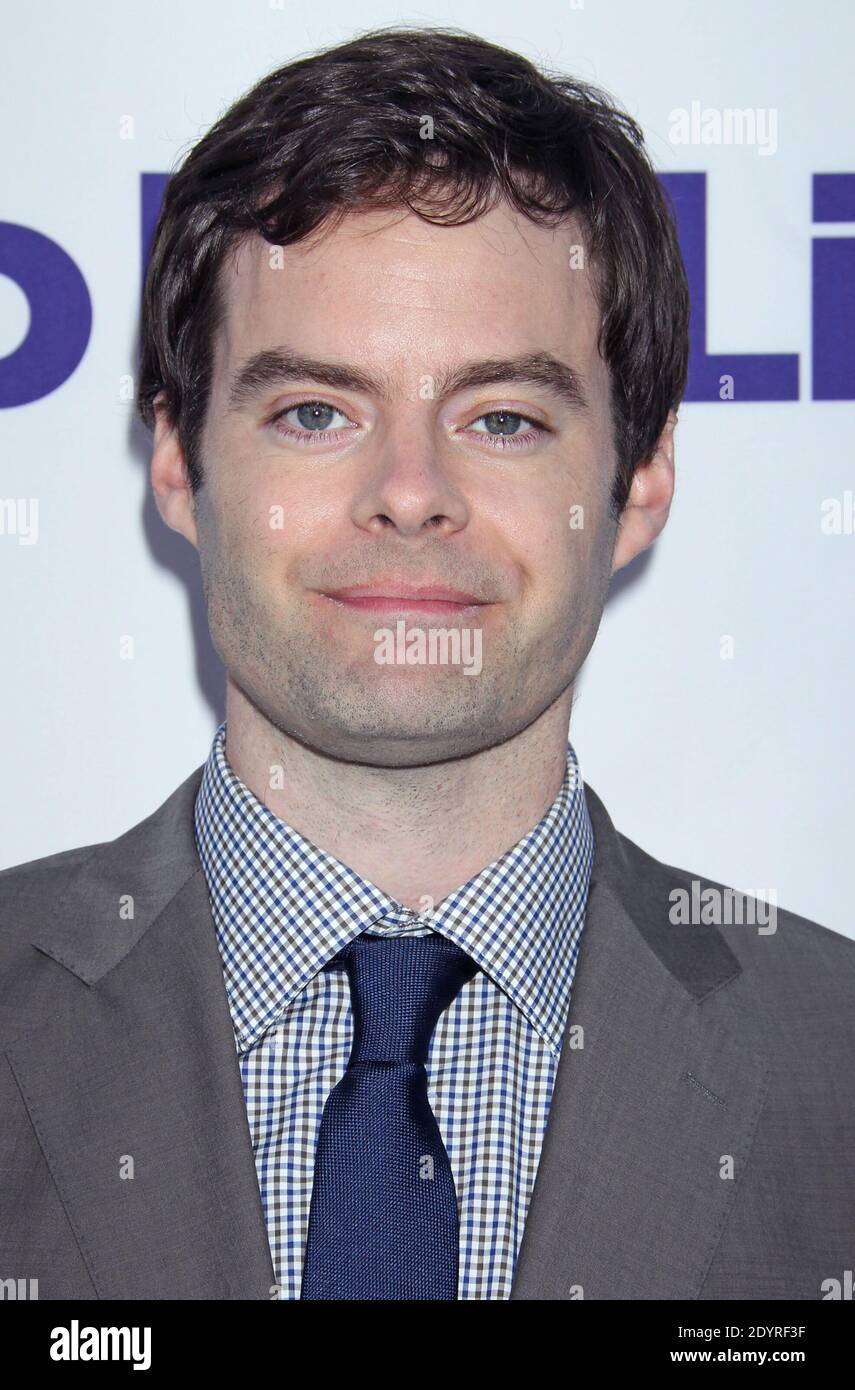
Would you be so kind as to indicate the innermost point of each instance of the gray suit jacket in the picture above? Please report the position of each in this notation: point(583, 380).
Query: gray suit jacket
point(706, 1051)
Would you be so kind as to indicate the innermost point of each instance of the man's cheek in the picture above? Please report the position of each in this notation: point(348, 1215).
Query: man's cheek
point(255, 527)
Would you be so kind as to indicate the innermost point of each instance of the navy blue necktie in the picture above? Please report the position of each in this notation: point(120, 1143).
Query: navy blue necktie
point(383, 1219)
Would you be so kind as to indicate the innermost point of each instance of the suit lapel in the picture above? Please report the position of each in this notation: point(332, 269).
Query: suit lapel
point(629, 1200)
point(134, 1088)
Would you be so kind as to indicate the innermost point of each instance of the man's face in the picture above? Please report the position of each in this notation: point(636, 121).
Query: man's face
point(400, 479)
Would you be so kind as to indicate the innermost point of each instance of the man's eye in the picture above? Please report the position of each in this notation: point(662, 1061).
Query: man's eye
point(310, 417)
point(505, 422)
point(503, 430)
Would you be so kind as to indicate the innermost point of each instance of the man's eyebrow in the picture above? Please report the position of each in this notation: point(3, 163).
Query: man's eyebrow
point(273, 366)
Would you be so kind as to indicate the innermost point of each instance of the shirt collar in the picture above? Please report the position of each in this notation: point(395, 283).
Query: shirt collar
point(283, 907)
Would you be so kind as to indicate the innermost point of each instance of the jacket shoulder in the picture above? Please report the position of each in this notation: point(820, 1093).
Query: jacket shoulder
point(150, 859)
point(792, 962)
point(37, 883)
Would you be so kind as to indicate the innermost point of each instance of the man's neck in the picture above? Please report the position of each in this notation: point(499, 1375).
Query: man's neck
point(417, 833)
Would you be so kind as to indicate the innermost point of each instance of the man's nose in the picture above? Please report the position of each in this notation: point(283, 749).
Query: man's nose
point(410, 485)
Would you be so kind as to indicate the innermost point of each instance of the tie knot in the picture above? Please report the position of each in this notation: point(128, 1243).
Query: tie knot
point(399, 986)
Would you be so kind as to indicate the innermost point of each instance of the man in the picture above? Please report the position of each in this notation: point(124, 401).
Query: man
point(378, 1004)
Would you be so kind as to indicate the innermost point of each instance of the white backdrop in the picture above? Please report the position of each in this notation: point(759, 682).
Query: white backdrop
point(740, 769)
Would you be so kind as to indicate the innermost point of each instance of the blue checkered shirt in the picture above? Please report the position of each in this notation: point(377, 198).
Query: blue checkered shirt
point(282, 908)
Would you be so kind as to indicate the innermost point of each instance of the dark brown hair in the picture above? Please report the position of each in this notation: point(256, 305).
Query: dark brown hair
point(341, 131)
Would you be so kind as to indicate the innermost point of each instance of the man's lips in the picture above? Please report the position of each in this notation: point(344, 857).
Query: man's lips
point(394, 596)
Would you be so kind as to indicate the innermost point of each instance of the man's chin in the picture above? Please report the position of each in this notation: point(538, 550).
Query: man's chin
point(404, 741)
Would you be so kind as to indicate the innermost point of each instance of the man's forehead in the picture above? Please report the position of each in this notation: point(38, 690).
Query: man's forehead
point(501, 234)
point(513, 275)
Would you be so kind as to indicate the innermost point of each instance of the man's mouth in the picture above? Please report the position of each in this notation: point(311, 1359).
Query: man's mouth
point(399, 596)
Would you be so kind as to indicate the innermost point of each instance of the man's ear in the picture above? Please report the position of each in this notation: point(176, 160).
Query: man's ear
point(169, 478)
point(649, 501)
